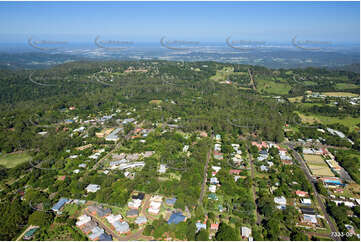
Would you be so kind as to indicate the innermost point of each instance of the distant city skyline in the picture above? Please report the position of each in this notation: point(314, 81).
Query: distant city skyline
point(195, 21)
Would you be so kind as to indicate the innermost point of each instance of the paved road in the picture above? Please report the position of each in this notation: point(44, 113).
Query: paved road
point(204, 177)
point(312, 181)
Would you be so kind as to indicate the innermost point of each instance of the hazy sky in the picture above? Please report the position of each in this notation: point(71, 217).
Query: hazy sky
point(212, 21)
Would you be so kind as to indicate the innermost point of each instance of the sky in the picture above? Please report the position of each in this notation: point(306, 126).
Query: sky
point(193, 21)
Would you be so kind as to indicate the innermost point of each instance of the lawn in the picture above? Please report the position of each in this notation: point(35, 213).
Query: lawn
point(271, 87)
point(295, 99)
point(340, 94)
point(13, 159)
point(349, 122)
point(343, 86)
point(222, 75)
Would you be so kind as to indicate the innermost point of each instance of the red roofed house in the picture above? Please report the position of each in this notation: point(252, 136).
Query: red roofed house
point(214, 226)
point(261, 145)
point(234, 172)
point(301, 193)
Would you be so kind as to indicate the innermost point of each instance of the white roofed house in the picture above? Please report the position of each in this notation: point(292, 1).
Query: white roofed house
point(135, 203)
point(83, 219)
point(162, 168)
point(113, 218)
point(212, 188)
point(281, 202)
point(155, 204)
point(216, 168)
point(306, 201)
point(246, 232)
point(214, 180)
point(141, 220)
point(92, 188)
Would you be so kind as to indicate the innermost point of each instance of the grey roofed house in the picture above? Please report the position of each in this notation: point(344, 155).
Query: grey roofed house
point(139, 196)
point(263, 152)
point(59, 204)
point(121, 227)
point(170, 201)
point(95, 233)
point(86, 228)
point(306, 210)
point(264, 168)
point(99, 211)
point(132, 213)
point(105, 237)
point(141, 220)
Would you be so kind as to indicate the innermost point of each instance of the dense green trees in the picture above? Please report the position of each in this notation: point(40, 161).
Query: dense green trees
point(41, 218)
point(14, 216)
point(226, 233)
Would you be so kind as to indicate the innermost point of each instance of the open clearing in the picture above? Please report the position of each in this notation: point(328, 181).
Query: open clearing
point(295, 99)
point(13, 159)
point(343, 86)
point(348, 121)
point(317, 165)
point(271, 87)
point(222, 75)
point(340, 94)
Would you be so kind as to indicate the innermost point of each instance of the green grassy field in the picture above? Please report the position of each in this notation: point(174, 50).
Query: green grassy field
point(13, 159)
point(271, 87)
point(347, 121)
point(343, 86)
point(222, 75)
point(340, 94)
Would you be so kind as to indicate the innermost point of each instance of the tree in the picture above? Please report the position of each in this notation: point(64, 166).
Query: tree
point(272, 228)
point(298, 236)
point(202, 235)
point(226, 233)
point(40, 218)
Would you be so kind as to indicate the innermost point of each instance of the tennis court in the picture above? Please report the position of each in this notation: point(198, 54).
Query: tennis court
point(317, 165)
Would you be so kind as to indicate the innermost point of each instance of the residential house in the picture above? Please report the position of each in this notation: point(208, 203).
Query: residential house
point(30, 233)
point(134, 203)
point(176, 218)
point(170, 201)
point(92, 188)
point(216, 168)
point(132, 213)
point(306, 201)
point(162, 168)
point(263, 168)
point(214, 180)
point(121, 227)
point(280, 200)
point(233, 171)
point(246, 232)
point(83, 219)
point(141, 220)
point(99, 211)
point(212, 188)
point(58, 206)
point(200, 226)
point(139, 196)
point(113, 218)
point(214, 226)
point(309, 219)
point(301, 193)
